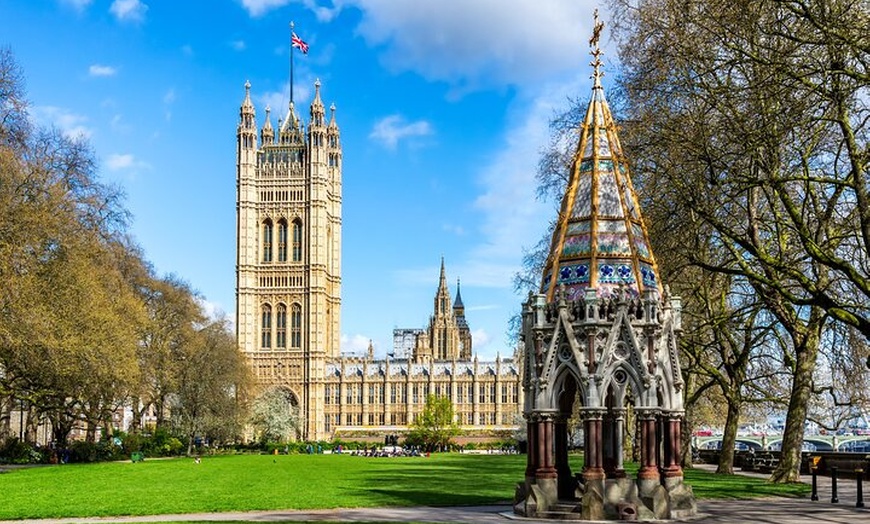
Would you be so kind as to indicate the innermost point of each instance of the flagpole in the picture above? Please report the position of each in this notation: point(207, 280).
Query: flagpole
point(291, 62)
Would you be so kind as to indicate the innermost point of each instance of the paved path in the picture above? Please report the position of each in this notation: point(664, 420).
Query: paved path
point(761, 511)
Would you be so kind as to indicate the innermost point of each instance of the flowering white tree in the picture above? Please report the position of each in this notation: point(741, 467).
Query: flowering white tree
point(275, 416)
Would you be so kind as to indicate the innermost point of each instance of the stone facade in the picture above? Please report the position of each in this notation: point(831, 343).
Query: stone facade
point(288, 298)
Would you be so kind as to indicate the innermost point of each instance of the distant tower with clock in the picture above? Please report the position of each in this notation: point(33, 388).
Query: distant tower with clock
point(288, 267)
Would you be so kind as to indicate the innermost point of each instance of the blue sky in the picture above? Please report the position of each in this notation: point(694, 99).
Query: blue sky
point(443, 107)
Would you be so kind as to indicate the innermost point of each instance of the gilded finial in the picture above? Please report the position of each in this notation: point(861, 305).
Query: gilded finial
point(596, 50)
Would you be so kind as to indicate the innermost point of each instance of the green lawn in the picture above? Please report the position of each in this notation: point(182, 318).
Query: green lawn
point(261, 482)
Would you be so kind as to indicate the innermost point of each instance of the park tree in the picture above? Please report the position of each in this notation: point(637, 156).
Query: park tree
point(172, 315)
point(753, 115)
point(211, 385)
point(85, 324)
point(435, 427)
point(65, 310)
point(275, 417)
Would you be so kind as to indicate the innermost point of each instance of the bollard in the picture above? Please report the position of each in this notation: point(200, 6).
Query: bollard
point(815, 494)
point(859, 474)
point(834, 498)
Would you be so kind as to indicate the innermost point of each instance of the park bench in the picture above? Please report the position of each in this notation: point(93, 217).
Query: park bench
point(764, 462)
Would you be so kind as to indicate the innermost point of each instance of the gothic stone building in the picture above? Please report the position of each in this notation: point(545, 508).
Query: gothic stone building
point(288, 298)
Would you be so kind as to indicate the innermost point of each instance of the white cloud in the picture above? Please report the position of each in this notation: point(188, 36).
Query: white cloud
point(279, 101)
point(212, 310)
point(128, 10)
point(354, 344)
point(238, 45)
point(484, 307)
point(389, 130)
point(445, 40)
point(102, 70)
point(480, 339)
point(511, 216)
point(118, 125)
point(453, 228)
point(168, 100)
point(72, 125)
point(257, 8)
point(120, 162)
point(78, 5)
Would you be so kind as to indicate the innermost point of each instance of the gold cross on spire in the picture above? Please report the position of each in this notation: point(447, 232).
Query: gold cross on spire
point(596, 51)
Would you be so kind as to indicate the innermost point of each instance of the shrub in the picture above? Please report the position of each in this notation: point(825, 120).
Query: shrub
point(14, 451)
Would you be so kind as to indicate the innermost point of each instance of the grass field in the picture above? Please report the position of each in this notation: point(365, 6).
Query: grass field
point(261, 482)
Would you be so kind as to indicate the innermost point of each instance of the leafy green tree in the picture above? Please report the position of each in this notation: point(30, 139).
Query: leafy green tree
point(435, 427)
point(750, 117)
point(211, 384)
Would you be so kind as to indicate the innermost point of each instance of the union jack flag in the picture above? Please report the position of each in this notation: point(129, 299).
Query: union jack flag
point(299, 44)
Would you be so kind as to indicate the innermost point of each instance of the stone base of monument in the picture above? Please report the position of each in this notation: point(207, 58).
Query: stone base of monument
point(611, 499)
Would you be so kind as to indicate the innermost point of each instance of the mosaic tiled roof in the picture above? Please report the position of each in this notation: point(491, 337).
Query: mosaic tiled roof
point(600, 240)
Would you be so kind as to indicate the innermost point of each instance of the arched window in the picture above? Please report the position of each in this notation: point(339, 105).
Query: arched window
point(281, 327)
point(296, 326)
point(282, 240)
point(266, 327)
point(267, 241)
point(297, 241)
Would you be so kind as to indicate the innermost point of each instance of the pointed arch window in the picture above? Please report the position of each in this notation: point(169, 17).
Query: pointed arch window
point(267, 241)
point(281, 327)
point(282, 240)
point(297, 240)
point(296, 326)
point(266, 327)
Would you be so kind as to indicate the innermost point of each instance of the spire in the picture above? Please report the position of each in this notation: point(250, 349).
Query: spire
point(600, 241)
point(317, 112)
point(442, 296)
point(332, 124)
point(247, 102)
point(458, 302)
point(247, 120)
point(267, 134)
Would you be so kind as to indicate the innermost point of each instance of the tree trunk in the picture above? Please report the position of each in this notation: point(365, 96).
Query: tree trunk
point(788, 469)
point(91, 432)
point(31, 425)
point(61, 427)
point(5, 417)
point(138, 409)
point(729, 438)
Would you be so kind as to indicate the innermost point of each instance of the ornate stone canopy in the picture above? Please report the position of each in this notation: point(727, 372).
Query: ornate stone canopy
point(604, 329)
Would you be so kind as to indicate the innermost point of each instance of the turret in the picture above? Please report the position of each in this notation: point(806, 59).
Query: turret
point(317, 112)
point(247, 130)
point(462, 325)
point(267, 134)
point(291, 132)
point(317, 127)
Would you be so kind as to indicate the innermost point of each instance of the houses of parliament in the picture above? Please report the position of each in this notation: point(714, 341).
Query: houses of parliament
point(288, 298)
